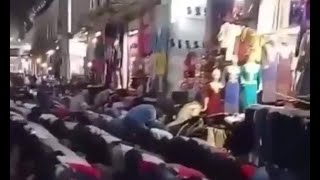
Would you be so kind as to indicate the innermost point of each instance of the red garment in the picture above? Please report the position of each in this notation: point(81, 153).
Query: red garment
point(60, 112)
point(185, 172)
point(86, 170)
point(145, 166)
point(248, 171)
point(98, 65)
point(215, 104)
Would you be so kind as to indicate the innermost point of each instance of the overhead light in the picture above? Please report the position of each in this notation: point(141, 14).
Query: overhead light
point(50, 52)
point(89, 64)
point(94, 40)
point(27, 47)
point(50, 68)
point(57, 48)
point(38, 60)
point(97, 34)
point(19, 40)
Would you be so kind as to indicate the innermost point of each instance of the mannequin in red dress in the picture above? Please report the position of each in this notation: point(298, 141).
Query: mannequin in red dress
point(213, 102)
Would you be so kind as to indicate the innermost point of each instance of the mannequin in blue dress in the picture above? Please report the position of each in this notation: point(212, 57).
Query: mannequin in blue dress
point(232, 87)
point(250, 83)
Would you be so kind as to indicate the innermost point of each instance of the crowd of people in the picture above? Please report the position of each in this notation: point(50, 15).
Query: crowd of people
point(85, 133)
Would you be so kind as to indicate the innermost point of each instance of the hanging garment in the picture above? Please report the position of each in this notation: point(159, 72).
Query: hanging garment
point(160, 40)
point(284, 75)
point(160, 63)
point(144, 37)
point(250, 79)
point(270, 61)
point(232, 89)
point(244, 44)
point(215, 104)
point(227, 38)
point(256, 48)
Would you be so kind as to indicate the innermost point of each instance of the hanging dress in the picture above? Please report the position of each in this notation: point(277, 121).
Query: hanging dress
point(250, 78)
point(284, 75)
point(232, 89)
point(270, 60)
point(215, 104)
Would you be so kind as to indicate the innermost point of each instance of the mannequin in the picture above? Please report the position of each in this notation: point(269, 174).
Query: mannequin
point(250, 80)
point(284, 75)
point(270, 58)
point(212, 101)
point(232, 87)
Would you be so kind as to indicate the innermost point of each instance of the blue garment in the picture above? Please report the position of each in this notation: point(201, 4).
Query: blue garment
point(139, 116)
point(248, 95)
point(231, 99)
point(159, 42)
point(249, 86)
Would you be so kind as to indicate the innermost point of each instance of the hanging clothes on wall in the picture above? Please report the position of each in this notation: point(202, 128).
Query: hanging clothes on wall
point(244, 44)
point(145, 33)
point(227, 38)
point(160, 40)
point(284, 74)
point(270, 61)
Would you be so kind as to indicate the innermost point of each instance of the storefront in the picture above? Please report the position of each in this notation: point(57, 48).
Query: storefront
point(259, 65)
